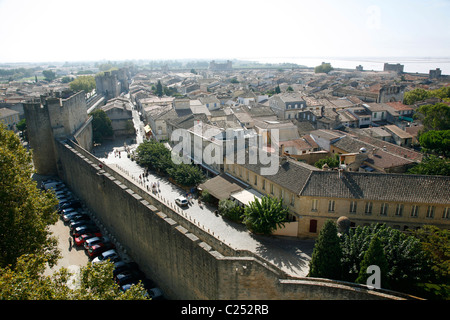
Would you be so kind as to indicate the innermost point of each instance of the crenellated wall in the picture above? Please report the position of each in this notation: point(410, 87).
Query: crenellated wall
point(186, 261)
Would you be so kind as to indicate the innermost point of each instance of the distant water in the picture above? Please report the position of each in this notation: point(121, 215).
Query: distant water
point(411, 64)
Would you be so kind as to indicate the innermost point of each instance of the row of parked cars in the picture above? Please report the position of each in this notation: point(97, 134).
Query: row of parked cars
point(87, 235)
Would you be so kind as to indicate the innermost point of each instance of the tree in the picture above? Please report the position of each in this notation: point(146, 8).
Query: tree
point(374, 256)
point(154, 155)
point(407, 265)
point(432, 165)
point(277, 89)
point(49, 75)
point(326, 258)
point(323, 68)
point(95, 282)
point(101, 125)
point(25, 211)
point(436, 245)
point(186, 174)
point(418, 94)
point(436, 141)
point(159, 89)
point(265, 216)
point(332, 162)
point(231, 210)
point(83, 83)
point(434, 117)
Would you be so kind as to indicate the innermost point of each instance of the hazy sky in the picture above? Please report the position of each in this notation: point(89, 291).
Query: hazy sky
point(60, 30)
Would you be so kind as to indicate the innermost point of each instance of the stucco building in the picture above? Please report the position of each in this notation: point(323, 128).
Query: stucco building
point(314, 196)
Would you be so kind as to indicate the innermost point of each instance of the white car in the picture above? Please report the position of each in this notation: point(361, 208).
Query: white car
point(109, 254)
point(181, 201)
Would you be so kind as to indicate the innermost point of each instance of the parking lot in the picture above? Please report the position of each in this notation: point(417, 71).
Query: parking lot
point(70, 225)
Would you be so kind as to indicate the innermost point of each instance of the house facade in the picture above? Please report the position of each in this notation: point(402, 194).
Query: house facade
point(313, 196)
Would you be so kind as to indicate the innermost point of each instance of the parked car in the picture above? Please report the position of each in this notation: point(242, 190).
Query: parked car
point(120, 266)
point(181, 201)
point(76, 224)
point(66, 217)
point(84, 229)
point(79, 217)
point(69, 204)
point(99, 248)
point(110, 255)
point(79, 240)
point(126, 277)
point(92, 241)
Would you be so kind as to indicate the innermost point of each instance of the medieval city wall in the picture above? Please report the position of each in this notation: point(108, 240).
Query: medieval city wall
point(186, 261)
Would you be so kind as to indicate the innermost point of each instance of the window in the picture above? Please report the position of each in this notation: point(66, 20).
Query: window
point(313, 226)
point(352, 207)
point(384, 209)
point(399, 210)
point(331, 204)
point(446, 213)
point(271, 188)
point(256, 180)
point(248, 175)
point(415, 211)
point(264, 184)
point(292, 199)
point(314, 205)
point(430, 211)
point(368, 208)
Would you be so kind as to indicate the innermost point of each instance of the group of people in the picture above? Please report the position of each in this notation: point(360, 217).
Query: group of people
point(153, 186)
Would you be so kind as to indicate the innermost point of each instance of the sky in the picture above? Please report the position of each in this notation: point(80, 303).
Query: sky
point(90, 30)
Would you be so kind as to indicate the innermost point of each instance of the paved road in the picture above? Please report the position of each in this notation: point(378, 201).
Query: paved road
point(292, 255)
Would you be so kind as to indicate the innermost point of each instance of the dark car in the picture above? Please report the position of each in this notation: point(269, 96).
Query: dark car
point(120, 267)
point(77, 224)
point(84, 229)
point(79, 217)
point(69, 204)
point(126, 277)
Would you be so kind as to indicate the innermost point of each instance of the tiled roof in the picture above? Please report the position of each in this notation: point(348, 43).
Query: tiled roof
point(379, 187)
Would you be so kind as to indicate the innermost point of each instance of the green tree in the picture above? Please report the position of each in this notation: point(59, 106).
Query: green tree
point(159, 89)
point(326, 257)
point(418, 94)
point(434, 117)
point(436, 141)
point(95, 282)
point(323, 68)
point(154, 155)
point(374, 256)
point(83, 83)
point(407, 264)
point(332, 162)
point(101, 125)
point(231, 210)
point(186, 174)
point(49, 75)
point(436, 245)
point(265, 216)
point(277, 89)
point(432, 165)
point(25, 211)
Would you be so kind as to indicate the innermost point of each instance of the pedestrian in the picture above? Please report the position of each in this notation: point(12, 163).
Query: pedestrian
point(70, 243)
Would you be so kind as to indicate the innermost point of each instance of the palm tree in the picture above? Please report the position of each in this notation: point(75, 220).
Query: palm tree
point(265, 216)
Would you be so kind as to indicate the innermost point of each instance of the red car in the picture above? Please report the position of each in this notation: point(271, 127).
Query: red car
point(79, 241)
point(98, 248)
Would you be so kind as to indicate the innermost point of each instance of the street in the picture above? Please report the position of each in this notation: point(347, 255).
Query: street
point(292, 255)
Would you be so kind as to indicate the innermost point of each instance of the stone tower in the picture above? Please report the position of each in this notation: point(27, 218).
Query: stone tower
point(56, 116)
